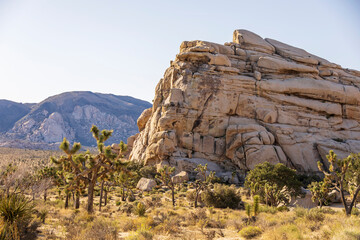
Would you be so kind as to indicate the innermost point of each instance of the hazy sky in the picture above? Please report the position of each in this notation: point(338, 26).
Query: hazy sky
point(123, 47)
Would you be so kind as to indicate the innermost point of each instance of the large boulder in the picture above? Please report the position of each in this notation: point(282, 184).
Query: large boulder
point(180, 177)
point(246, 102)
point(146, 184)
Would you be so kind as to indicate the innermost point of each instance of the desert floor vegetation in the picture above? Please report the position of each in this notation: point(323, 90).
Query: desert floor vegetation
point(83, 195)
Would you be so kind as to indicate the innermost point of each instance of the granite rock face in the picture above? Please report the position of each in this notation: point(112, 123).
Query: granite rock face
point(249, 101)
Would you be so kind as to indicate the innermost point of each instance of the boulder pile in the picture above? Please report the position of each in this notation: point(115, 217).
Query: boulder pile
point(249, 101)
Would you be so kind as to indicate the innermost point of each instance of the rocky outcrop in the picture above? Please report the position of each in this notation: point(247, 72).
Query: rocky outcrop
point(249, 101)
point(146, 184)
point(71, 115)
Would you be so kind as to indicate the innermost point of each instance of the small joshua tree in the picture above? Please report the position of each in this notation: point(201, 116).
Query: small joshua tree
point(202, 183)
point(344, 174)
point(320, 191)
point(164, 175)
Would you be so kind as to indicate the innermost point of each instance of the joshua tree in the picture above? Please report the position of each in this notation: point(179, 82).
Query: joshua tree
point(46, 177)
point(90, 167)
point(256, 205)
point(344, 174)
point(164, 175)
point(320, 191)
point(202, 183)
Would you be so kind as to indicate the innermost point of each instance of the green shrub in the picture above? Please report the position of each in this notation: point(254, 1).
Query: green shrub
point(283, 208)
point(250, 232)
point(268, 209)
point(118, 203)
point(222, 196)
point(270, 181)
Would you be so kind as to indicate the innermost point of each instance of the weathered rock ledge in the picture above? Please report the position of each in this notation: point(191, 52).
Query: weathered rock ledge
point(249, 101)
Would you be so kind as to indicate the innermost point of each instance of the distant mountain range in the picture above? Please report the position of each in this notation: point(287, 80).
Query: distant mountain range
point(70, 115)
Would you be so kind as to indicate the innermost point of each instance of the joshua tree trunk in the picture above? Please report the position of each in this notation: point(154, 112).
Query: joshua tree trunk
point(101, 194)
point(105, 198)
point(173, 195)
point(123, 194)
point(77, 200)
point(196, 198)
point(67, 200)
point(90, 203)
point(45, 195)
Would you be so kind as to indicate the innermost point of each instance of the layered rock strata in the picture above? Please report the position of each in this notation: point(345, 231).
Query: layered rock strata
point(249, 101)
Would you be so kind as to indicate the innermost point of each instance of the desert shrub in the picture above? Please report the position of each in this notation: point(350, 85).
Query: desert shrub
point(287, 231)
point(16, 218)
point(190, 195)
point(142, 233)
point(171, 225)
point(300, 211)
point(127, 225)
point(268, 209)
point(315, 215)
point(283, 208)
point(99, 228)
point(355, 211)
point(222, 196)
point(118, 203)
point(140, 209)
point(348, 233)
point(193, 217)
point(250, 232)
point(148, 171)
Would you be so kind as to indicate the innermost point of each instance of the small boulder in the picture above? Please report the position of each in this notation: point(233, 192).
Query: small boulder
point(146, 184)
point(304, 200)
point(180, 177)
point(334, 196)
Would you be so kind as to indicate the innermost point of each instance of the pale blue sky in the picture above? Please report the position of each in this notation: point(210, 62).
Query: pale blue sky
point(123, 47)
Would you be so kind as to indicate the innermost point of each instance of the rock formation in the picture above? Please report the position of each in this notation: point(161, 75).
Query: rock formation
point(249, 101)
point(71, 115)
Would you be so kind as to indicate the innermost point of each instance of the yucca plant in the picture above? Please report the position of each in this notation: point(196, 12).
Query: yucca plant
point(140, 209)
point(15, 216)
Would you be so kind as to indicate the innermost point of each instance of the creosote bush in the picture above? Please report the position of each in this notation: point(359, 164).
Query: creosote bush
point(250, 232)
point(222, 196)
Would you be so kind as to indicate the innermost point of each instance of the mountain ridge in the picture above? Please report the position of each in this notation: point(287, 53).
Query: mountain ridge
point(70, 115)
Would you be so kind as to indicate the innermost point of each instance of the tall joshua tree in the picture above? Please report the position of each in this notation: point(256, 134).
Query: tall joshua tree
point(165, 176)
point(90, 167)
